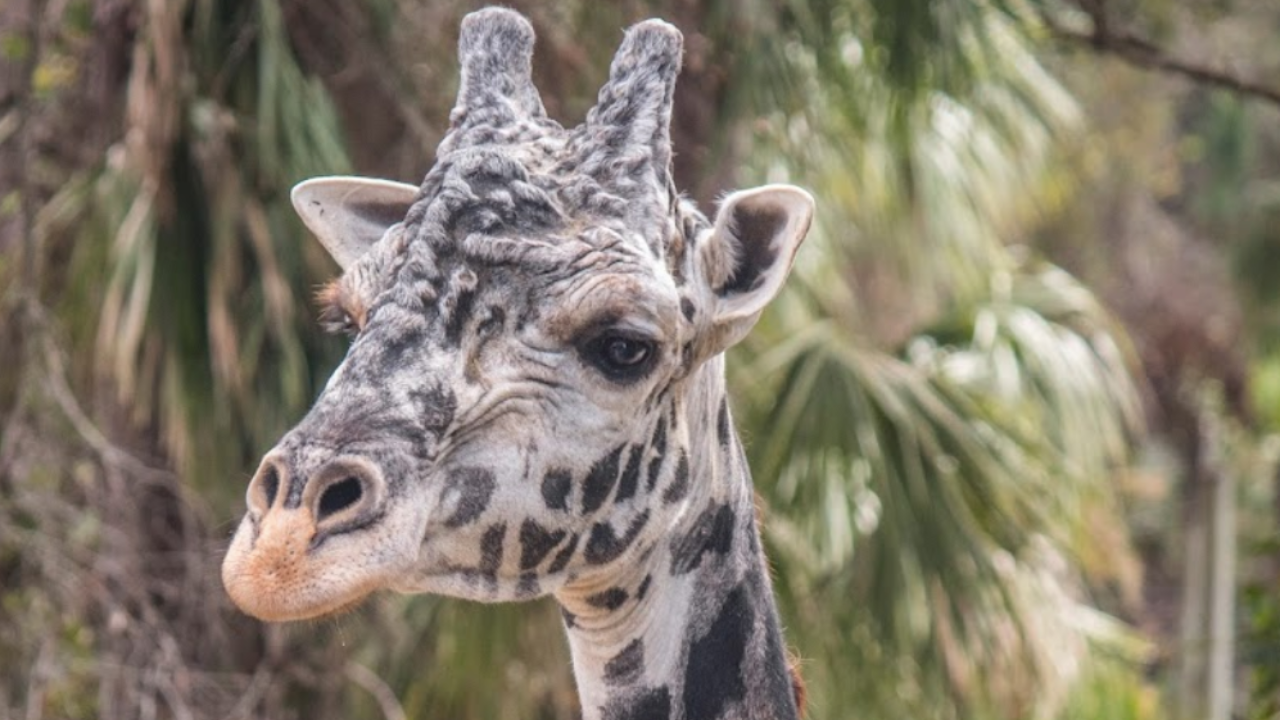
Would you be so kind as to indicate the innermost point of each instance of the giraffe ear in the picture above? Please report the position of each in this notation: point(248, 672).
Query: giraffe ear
point(349, 214)
point(748, 254)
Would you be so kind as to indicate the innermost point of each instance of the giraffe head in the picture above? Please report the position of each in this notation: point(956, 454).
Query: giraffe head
point(524, 325)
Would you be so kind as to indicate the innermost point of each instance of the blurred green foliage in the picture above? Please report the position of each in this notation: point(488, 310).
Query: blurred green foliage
point(941, 420)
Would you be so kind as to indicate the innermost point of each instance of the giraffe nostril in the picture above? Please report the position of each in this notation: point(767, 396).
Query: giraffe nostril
point(339, 496)
point(271, 485)
point(263, 488)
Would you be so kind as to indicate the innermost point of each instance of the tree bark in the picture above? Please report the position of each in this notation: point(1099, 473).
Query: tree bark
point(1207, 658)
point(1222, 554)
point(1195, 581)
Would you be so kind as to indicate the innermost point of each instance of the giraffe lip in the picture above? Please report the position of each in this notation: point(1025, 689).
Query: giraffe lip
point(257, 597)
point(315, 613)
point(280, 574)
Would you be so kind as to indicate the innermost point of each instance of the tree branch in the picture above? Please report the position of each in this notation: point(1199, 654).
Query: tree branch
point(376, 686)
point(1105, 38)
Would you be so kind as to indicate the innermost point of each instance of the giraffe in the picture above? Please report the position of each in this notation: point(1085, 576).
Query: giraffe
point(533, 401)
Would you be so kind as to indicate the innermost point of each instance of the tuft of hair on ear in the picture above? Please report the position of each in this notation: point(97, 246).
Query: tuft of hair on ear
point(797, 683)
point(339, 311)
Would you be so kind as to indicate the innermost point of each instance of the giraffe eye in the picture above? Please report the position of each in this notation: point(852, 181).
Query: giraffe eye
point(339, 323)
point(340, 310)
point(622, 358)
point(624, 352)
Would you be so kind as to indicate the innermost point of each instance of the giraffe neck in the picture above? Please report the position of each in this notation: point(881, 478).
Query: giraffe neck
point(690, 629)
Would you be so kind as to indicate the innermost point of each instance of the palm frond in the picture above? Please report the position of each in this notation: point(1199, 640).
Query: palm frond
point(918, 496)
point(929, 185)
point(199, 318)
point(927, 472)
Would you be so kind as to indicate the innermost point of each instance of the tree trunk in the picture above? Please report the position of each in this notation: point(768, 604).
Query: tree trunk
point(1222, 573)
point(1192, 672)
point(1206, 666)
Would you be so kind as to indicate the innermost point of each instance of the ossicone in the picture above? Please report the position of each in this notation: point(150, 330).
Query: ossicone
point(632, 116)
point(495, 51)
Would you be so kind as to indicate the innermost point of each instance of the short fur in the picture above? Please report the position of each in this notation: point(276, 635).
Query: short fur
point(533, 402)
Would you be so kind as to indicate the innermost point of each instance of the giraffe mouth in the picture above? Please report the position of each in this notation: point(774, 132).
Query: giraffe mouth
point(433, 574)
point(268, 608)
point(273, 573)
point(464, 584)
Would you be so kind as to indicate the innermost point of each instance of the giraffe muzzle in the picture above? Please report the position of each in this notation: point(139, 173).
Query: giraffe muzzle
point(286, 560)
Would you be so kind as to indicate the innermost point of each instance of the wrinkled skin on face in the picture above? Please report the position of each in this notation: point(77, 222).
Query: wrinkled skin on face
point(508, 418)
